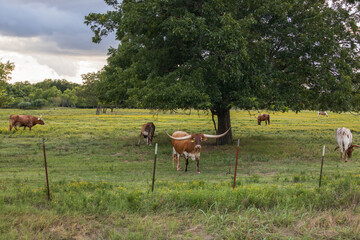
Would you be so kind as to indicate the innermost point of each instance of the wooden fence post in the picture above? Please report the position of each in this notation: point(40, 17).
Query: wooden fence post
point(236, 162)
point(46, 172)
point(322, 163)
point(153, 181)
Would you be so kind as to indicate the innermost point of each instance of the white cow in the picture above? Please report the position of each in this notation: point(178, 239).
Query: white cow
point(323, 113)
point(343, 136)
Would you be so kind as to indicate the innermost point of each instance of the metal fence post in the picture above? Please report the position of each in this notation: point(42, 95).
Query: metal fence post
point(153, 180)
point(236, 163)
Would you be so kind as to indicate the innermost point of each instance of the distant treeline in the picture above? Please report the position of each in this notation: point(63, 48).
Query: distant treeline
point(51, 93)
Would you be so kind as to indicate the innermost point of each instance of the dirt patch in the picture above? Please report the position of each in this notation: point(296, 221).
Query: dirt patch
point(199, 231)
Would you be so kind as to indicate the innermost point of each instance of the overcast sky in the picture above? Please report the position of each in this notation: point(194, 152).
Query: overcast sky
point(48, 39)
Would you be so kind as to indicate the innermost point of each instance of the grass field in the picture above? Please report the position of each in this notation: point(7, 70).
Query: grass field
point(100, 182)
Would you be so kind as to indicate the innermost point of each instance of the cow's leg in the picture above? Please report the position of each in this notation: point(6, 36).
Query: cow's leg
point(197, 166)
point(176, 159)
point(341, 156)
point(346, 156)
point(30, 128)
point(186, 163)
point(178, 167)
point(139, 139)
point(15, 127)
point(25, 127)
point(10, 127)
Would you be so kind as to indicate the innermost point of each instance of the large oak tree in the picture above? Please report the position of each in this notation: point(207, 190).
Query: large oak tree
point(218, 54)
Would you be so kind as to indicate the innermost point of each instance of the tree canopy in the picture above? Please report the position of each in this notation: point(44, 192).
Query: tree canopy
point(53, 92)
point(218, 54)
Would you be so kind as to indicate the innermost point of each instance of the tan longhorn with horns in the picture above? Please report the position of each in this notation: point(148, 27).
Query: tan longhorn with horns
point(189, 145)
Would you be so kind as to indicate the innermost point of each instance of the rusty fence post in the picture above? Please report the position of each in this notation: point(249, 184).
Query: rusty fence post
point(236, 162)
point(153, 180)
point(322, 163)
point(47, 178)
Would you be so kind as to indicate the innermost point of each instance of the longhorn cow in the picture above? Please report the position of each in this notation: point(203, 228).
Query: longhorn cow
point(264, 117)
point(189, 145)
point(343, 136)
point(323, 113)
point(24, 121)
point(147, 131)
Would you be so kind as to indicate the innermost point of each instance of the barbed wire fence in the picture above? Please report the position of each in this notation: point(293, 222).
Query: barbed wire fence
point(116, 172)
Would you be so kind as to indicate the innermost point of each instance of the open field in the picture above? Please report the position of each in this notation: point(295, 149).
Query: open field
point(100, 182)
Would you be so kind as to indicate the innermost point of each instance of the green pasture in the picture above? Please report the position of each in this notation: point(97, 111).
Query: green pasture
point(100, 181)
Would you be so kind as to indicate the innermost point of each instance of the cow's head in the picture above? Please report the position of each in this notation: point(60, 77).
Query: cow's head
point(40, 121)
point(198, 138)
point(349, 150)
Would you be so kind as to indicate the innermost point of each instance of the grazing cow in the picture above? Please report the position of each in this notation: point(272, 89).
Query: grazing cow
point(323, 113)
point(343, 136)
point(24, 121)
point(189, 145)
point(147, 131)
point(264, 117)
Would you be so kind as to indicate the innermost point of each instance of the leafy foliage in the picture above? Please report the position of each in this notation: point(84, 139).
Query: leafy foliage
point(5, 75)
point(217, 54)
point(55, 93)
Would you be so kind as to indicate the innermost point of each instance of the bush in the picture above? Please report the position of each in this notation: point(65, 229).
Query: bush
point(39, 103)
point(24, 105)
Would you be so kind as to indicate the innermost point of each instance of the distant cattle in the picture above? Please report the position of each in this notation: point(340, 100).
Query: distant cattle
point(343, 136)
point(24, 121)
point(264, 117)
point(323, 113)
point(147, 131)
point(189, 145)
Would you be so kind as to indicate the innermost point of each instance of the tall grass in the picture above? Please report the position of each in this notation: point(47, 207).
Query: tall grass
point(100, 182)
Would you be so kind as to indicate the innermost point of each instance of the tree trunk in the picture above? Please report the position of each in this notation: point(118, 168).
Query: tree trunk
point(224, 123)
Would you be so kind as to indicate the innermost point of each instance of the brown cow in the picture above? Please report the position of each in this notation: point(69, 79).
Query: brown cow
point(147, 131)
point(264, 117)
point(189, 145)
point(24, 121)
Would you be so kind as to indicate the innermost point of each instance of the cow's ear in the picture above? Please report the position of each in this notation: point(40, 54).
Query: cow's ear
point(203, 138)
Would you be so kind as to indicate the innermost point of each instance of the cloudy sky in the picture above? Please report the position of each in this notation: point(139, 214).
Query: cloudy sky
point(48, 39)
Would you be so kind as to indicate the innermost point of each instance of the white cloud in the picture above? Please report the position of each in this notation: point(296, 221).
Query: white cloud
point(38, 68)
point(48, 39)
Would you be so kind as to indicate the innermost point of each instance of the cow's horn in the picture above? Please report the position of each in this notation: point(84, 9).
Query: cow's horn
point(355, 145)
point(336, 148)
point(217, 136)
point(179, 138)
